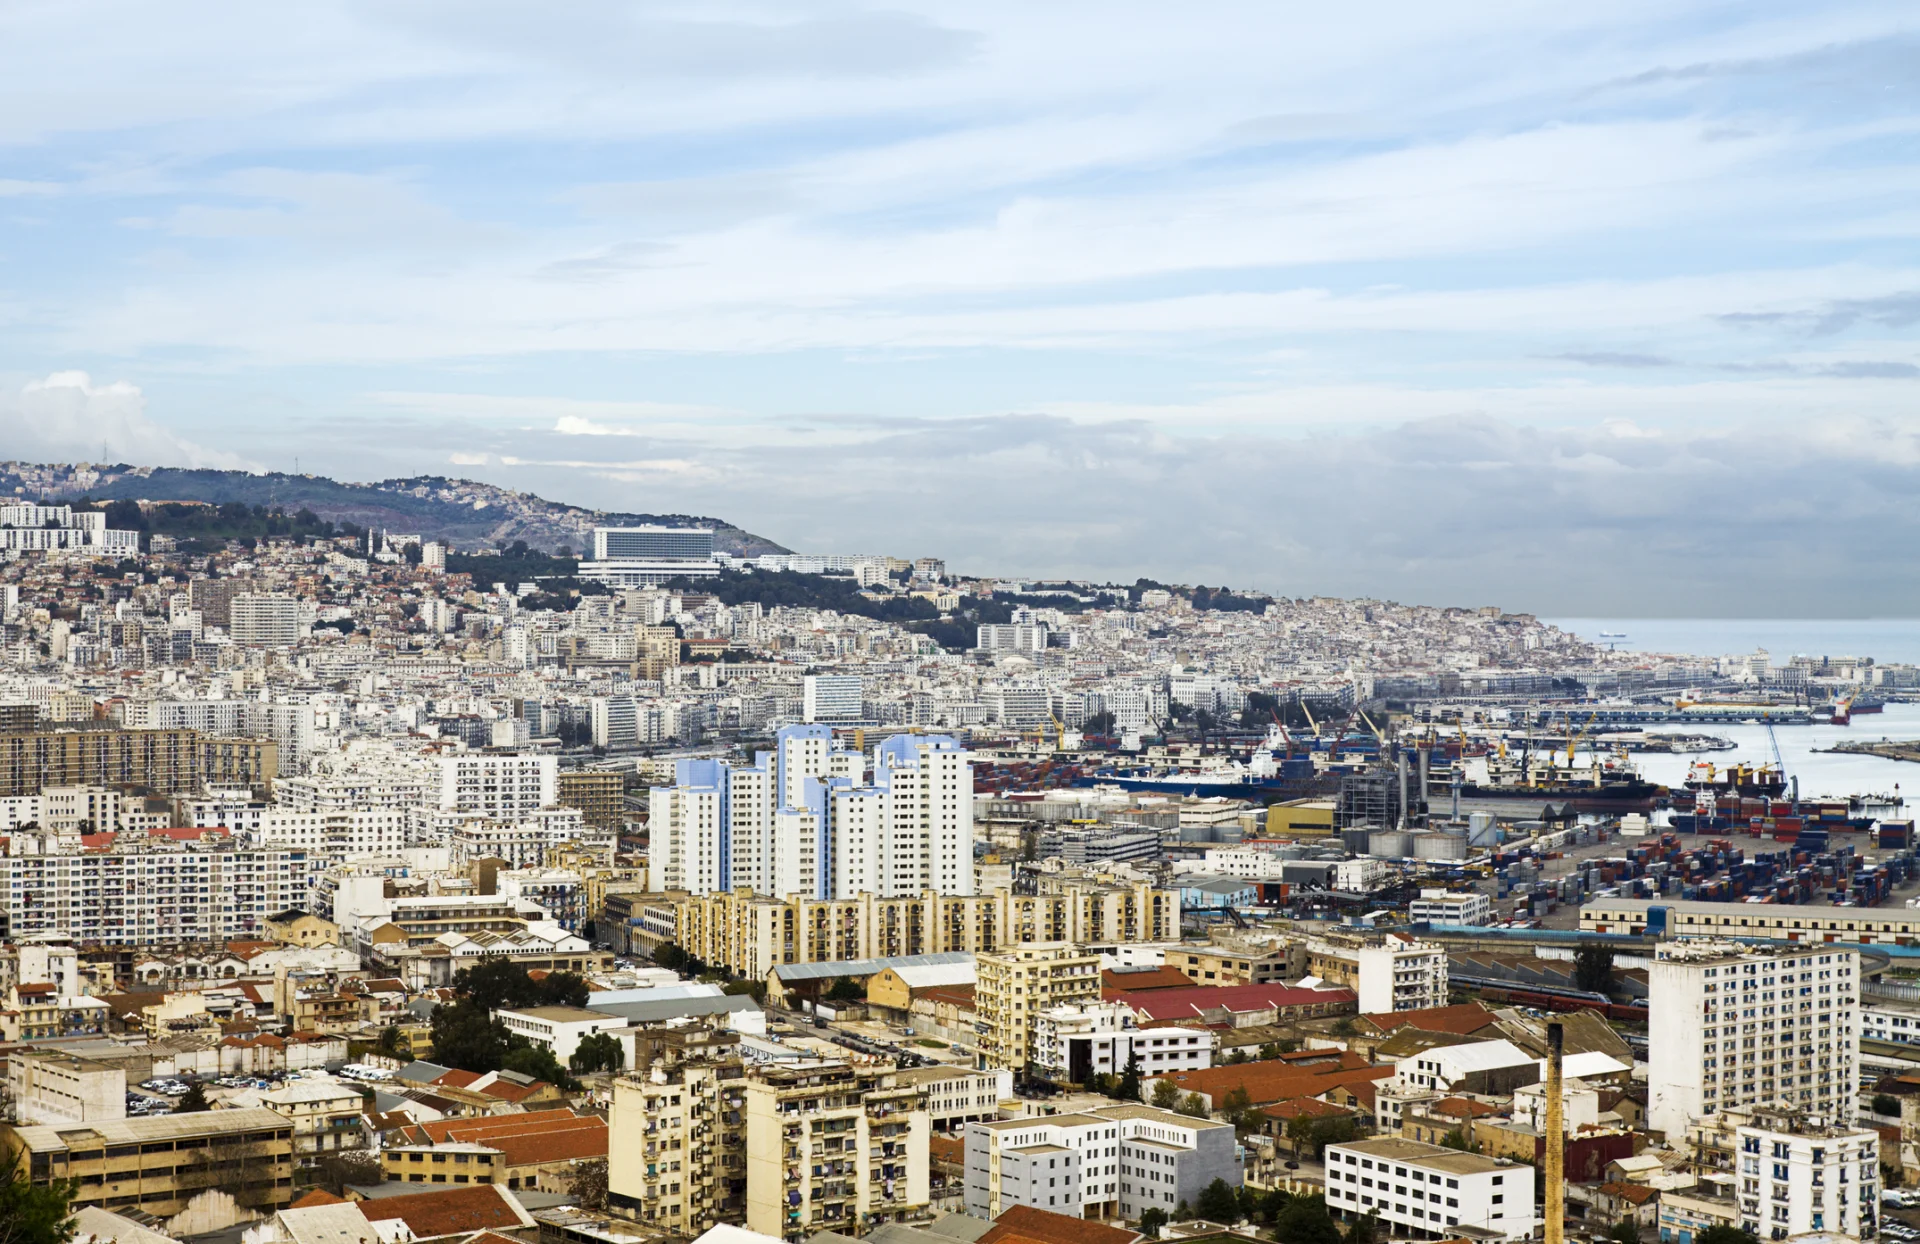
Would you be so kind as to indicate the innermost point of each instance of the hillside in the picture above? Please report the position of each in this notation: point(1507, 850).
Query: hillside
point(463, 513)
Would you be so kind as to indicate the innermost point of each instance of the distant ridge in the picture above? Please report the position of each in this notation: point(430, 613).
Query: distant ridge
point(464, 513)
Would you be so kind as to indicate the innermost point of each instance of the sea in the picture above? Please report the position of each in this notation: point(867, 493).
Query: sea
point(1821, 773)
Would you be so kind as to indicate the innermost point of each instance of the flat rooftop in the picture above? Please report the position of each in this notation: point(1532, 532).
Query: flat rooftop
point(1432, 1157)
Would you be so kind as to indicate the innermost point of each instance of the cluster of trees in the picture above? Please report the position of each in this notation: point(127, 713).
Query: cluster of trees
point(1295, 1219)
point(231, 520)
point(1593, 968)
point(35, 1215)
point(1222, 600)
point(776, 588)
point(466, 1035)
point(516, 563)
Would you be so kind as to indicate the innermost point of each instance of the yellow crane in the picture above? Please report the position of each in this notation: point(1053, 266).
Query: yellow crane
point(1310, 721)
point(1573, 740)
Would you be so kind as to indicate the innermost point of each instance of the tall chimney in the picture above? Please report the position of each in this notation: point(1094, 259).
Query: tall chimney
point(1404, 810)
point(1556, 1145)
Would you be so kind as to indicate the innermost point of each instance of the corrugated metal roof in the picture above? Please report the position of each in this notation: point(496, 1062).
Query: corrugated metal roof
point(865, 967)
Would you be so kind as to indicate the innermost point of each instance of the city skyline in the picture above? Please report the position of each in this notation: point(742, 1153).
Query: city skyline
point(1520, 305)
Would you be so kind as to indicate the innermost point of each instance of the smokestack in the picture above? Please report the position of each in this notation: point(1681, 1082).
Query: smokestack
point(1426, 766)
point(1556, 1145)
point(1403, 790)
point(1459, 780)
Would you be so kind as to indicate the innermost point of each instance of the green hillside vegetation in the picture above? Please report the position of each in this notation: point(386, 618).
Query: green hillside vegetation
point(202, 526)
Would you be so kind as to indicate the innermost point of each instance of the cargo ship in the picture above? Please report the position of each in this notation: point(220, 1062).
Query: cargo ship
point(1611, 781)
point(1763, 781)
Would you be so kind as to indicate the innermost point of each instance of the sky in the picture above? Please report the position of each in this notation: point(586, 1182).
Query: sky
point(1605, 310)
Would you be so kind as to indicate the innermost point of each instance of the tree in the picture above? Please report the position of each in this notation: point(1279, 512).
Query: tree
point(1237, 1108)
point(1626, 1231)
point(1166, 1094)
point(536, 1061)
point(1129, 1086)
point(1886, 1103)
point(31, 1214)
point(1343, 1027)
point(588, 1183)
point(1456, 1139)
point(1300, 1133)
point(1237, 1057)
point(1219, 1202)
point(1151, 1221)
point(1270, 1050)
point(1331, 1132)
point(1593, 968)
point(601, 1051)
point(195, 1100)
point(1193, 1106)
point(846, 989)
point(669, 956)
point(337, 1170)
point(389, 1043)
point(1725, 1235)
point(1365, 1229)
point(1305, 1220)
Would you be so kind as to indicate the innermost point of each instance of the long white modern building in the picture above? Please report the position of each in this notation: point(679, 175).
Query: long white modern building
point(1430, 1189)
point(1734, 1025)
point(626, 557)
point(805, 819)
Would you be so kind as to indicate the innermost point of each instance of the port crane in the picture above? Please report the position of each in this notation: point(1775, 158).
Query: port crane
point(1573, 740)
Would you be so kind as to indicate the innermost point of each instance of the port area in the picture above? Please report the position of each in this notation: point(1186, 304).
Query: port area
point(1885, 749)
point(1567, 915)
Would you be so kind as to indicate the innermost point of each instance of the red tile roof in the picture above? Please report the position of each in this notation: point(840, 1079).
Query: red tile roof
point(1462, 1020)
point(477, 1129)
point(1312, 1107)
point(479, 1207)
point(457, 1078)
point(319, 1196)
point(588, 1140)
point(1271, 1081)
point(1162, 977)
point(507, 1090)
point(1198, 999)
point(1023, 1222)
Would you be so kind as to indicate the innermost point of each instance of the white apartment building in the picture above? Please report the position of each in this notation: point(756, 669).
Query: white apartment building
point(522, 841)
point(560, 1029)
point(1078, 1042)
point(1798, 1175)
point(1112, 1161)
point(831, 697)
point(497, 785)
point(1401, 975)
point(46, 527)
point(1017, 703)
point(1443, 906)
point(1890, 1021)
point(1736, 1025)
point(265, 620)
point(148, 897)
point(1012, 637)
point(959, 1095)
point(801, 820)
point(1360, 876)
point(1430, 1189)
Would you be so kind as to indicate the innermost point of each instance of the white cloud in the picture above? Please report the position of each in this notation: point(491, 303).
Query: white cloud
point(68, 417)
